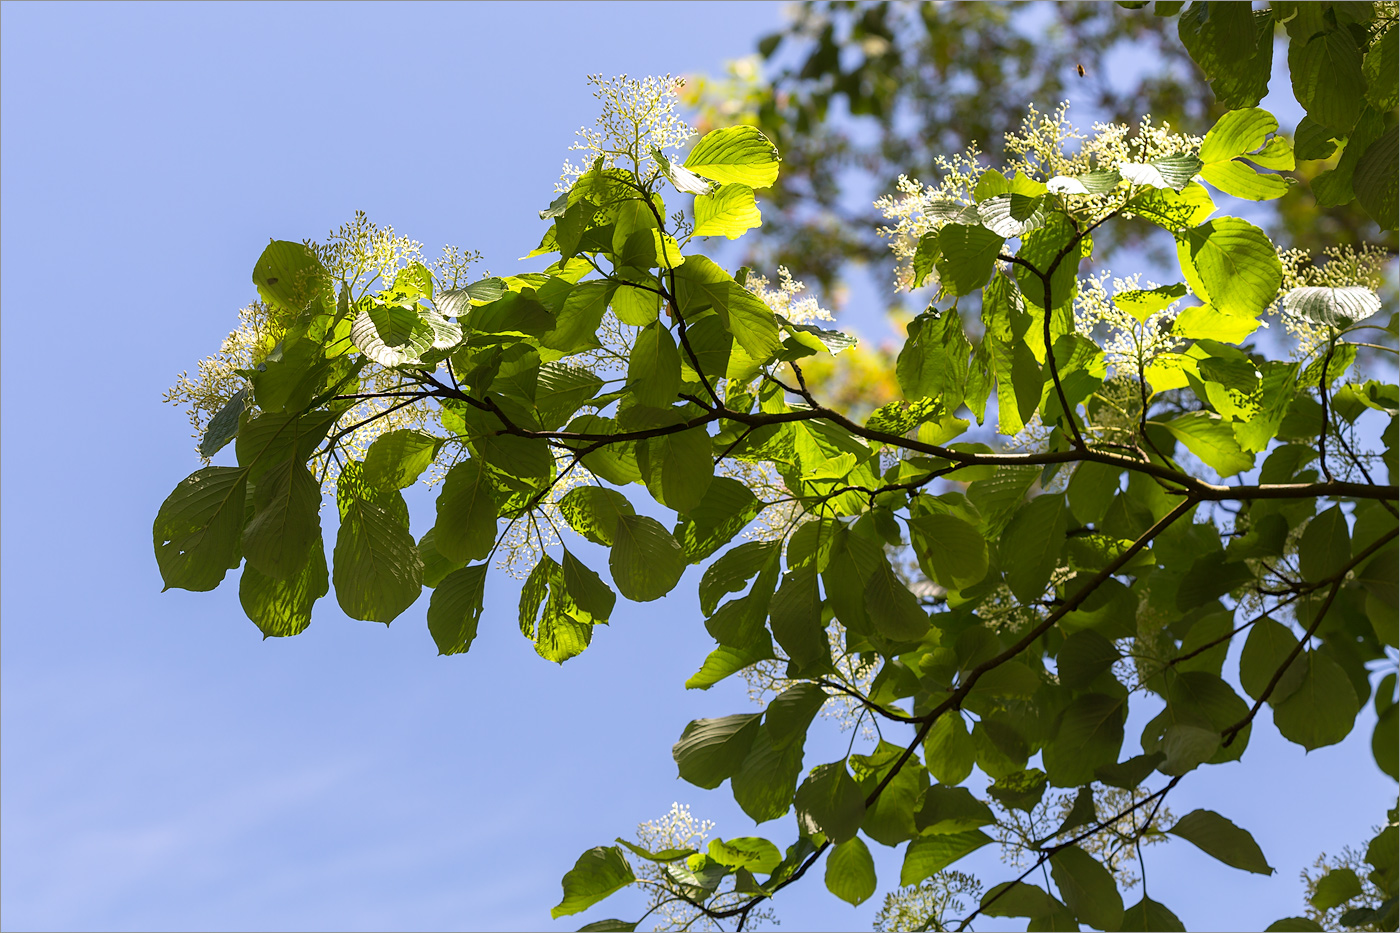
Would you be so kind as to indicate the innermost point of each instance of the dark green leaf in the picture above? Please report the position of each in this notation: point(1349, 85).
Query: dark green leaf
point(1323, 708)
point(1218, 837)
point(1019, 899)
point(1089, 736)
point(1084, 656)
point(1268, 645)
point(646, 562)
point(593, 512)
point(953, 549)
point(223, 427)
point(830, 802)
point(286, 521)
point(1149, 916)
point(1335, 888)
point(1294, 925)
point(1021, 790)
point(396, 459)
point(466, 513)
point(966, 257)
point(951, 810)
point(199, 526)
point(1325, 547)
point(928, 855)
point(894, 610)
point(1087, 888)
point(1030, 546)
point(711, 750)
point(455, 609)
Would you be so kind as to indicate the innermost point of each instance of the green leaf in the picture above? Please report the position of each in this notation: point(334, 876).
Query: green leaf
point(286, 521)
point(948, 749)
point(1218, 837)
point(850, 872)
point(925, 256)
point(709, 751)
point(1385, 741)
point(796, 613)
point(1187, 747)
point(1083, 657)
point(951, 810)
point(701, 285)
point(1148, 915)
point(576, 323)
point(735, 155)
point(1204, 322)
point(611, 925)
point(729, 212)
point(396, 459)
point(894, 610)
point(1322, 710)
point(725, 509)
point(1232, 264)
point(1041, 248)
point(1327, 78)
point(455, 609)
point(223, 427)
point(830, 802)
point(1240, 180)
point(1293, 925)
point(1235, 53)
point(1030, 546)
point(751, 852)
point(731, 571)
point(290, 277)
point(199, 526)
point(951, 548)
point(283, 607)
point(1211, 439)
point(1236, 133)
point(1087, 888)
point(1090, 735)
point(646, 562)
point(378, 573)
point(273, 437)
point(678, 468)
point(1335, 888)
point(1129, 774)
point(593, 512)
point(435, 566)
point(767, 780)
point(1173, 210)
point(598, 872)
point(654, 368)
point(966, 257)
point(1325, 547)
point(926, 856)
point(593, 599)
point(466, 513)
point(1019, 899)
point(1022, 789)
point(724, 661)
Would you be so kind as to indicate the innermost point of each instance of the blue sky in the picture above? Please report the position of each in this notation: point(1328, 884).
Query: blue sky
point(161, 767)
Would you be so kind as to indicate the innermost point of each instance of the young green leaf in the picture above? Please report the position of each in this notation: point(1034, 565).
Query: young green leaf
point(850, 872)
point(598, 872)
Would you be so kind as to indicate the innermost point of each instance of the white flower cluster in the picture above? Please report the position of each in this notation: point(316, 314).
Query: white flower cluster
point(783, 297)
point(638, 115)
point(1046, 146)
